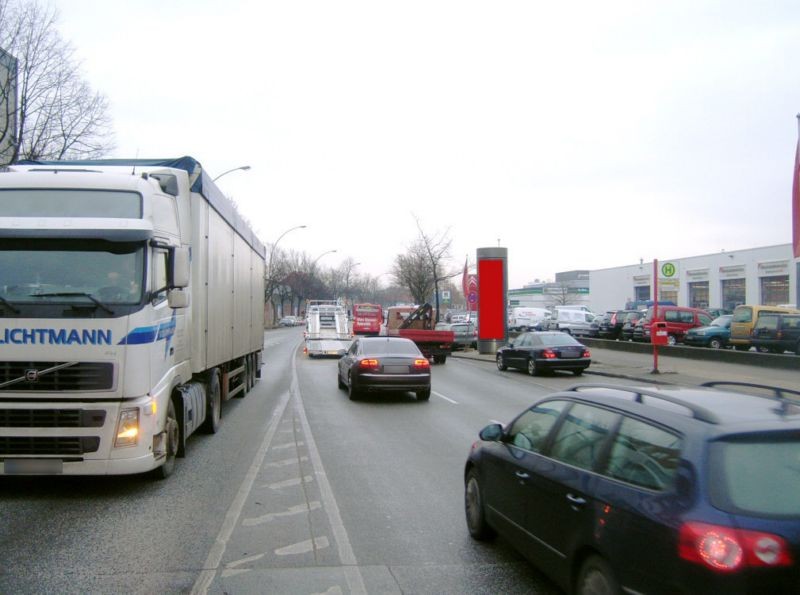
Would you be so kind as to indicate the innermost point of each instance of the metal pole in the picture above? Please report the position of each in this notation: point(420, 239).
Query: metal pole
point(655, 317)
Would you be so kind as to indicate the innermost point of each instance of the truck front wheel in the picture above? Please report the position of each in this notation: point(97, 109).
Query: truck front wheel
point(440, 358)
point(213, 404)
point(172, 440)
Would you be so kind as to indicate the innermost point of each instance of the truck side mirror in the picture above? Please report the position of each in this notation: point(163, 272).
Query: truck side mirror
point(177, 298)
point(180, 267)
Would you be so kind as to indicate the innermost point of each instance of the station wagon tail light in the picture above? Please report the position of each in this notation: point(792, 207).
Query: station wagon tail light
point(422, 364)
point(369, 364)
point(727, 549)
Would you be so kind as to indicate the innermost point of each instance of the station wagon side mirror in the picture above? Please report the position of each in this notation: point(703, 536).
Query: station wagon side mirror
point(491, 433)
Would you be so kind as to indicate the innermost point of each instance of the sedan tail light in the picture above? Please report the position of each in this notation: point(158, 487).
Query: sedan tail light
point(586, 353)
point(549, 354)
point(727, 549)
point(369, 364)
point(421, 364)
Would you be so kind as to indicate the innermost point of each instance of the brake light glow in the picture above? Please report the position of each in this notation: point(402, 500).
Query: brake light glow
point(549, 354)
point(369, 364)
point(586, 353)
point(422, 363)
point(727, 549)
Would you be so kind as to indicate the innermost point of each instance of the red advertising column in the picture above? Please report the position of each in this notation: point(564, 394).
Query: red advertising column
point(492, 299)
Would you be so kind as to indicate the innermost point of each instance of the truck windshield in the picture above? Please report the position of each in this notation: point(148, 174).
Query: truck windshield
point(36, 271)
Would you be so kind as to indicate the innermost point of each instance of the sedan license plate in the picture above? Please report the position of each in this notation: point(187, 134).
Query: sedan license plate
point(395, 369)
point(33, 466)
point(570, 354)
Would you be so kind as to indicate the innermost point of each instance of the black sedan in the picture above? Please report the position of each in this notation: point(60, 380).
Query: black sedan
point(381, 364)
point(544, 351)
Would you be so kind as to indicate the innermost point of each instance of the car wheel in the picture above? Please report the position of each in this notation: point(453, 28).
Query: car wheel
point(342, 385)
point(577, 372)
point(532, 370)
point(423, 395)
point(172, 436)
point(763, 349)
point(500, 365)
point(715, 343)
point(596, 578)
point(351, 388)
point(671, 340)
point(797, 348)
point(213, 404)
point(473, 506)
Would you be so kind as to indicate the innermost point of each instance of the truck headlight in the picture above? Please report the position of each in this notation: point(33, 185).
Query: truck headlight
point(127, 428)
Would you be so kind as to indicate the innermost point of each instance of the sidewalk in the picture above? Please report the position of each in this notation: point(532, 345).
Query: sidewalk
point(671, 370)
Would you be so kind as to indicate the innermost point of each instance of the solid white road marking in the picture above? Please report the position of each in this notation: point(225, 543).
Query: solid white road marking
point(441, 396)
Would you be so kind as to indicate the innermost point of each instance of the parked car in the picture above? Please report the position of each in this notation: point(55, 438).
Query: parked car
point(540, 351)
point(745, 318)
point(612, 489)
point(715, 335)
point(777, 333)
point(569, 321)
point(465, 333)
point(612, 327)
point(287, 321)
point(678, 319)
point(381, 364)
point(593, 330)
point(632, 319)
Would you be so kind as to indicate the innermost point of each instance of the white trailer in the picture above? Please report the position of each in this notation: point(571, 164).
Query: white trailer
point(131, 307)
point(327, 328)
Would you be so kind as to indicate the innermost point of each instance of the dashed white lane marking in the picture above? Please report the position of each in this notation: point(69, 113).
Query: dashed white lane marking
point(288, 483)
point(286, 462)
point(309, 545)
point(448, 399)
point(288, 445)
point(217, 551)
point(293, 510)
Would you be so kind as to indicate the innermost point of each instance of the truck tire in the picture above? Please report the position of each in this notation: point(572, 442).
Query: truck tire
point(439, 358)
point(213, 404)
point(172, 435)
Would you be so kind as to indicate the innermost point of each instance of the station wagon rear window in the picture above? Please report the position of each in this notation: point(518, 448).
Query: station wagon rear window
point(757, 475)
point(38, 202)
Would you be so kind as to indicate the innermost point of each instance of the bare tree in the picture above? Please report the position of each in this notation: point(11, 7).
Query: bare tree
point(412, 270)
point(57, 114)
point(436, 249)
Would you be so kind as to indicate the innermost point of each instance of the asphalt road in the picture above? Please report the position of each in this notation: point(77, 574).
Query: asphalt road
point(301, 491)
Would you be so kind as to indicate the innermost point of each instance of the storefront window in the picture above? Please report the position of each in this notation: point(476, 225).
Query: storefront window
point(698, 295)
point(733, 293)
point(642, 293)
point(775, 290)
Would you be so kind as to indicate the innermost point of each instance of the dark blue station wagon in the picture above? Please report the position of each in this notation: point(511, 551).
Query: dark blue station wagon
point(612, 489)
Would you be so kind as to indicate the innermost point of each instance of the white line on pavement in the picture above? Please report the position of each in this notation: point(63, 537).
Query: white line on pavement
point(441, 396)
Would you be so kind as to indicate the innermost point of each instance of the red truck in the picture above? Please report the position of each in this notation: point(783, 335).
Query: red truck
point(367, 319)
point(416, 323)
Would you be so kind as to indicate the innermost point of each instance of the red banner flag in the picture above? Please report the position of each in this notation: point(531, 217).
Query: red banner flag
point(796, 199)
point(464, 278)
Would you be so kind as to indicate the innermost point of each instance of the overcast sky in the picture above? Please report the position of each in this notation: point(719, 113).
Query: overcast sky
point(578, 135)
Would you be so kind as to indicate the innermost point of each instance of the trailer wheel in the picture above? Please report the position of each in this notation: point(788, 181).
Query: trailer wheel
point(172, 435)
point(213, 404)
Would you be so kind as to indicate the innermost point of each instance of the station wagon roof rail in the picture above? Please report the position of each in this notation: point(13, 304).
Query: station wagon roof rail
point(698, 412)
point(780, 394)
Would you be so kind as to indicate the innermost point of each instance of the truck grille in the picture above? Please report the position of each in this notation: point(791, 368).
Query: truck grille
point(43, 445)
point(35, 377)
point(51, 418)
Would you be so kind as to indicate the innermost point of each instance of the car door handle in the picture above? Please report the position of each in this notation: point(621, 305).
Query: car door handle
point(522, 475)
point(576, 500)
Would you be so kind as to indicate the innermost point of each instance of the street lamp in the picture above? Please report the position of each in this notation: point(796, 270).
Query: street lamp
point(270, 280)
point(242, 167)
point(320, 256)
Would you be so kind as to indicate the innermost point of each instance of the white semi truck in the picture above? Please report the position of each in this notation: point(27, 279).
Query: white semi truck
point(131, 307)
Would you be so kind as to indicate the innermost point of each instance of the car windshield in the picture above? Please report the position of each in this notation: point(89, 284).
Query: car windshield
point(758, 475)
point(391, 347)
point(723, 321)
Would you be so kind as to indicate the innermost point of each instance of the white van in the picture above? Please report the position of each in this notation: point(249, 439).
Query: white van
point(527, 319)
point(574, 307)
point(574, 322)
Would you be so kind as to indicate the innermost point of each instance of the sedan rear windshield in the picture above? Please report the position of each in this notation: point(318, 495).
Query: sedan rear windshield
point(391, 347)
point(757, 475)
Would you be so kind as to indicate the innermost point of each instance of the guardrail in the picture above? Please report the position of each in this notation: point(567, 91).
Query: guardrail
point(730, 356)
